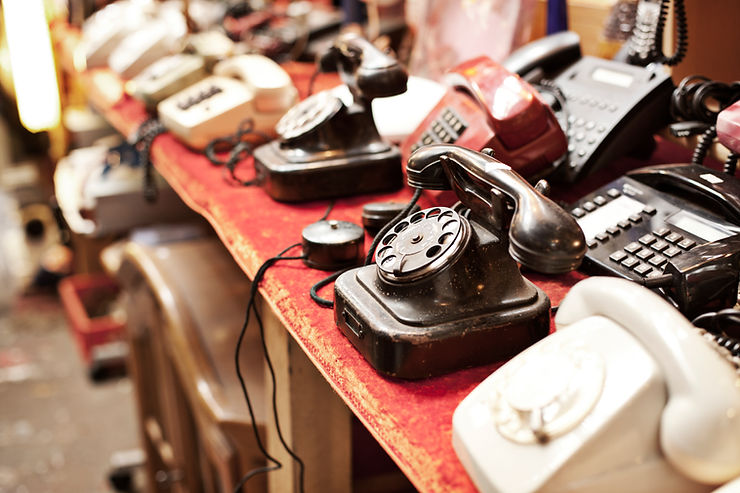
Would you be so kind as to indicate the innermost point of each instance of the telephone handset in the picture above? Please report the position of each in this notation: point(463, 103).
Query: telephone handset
point(446, 292)
point(607, 108)
point(245, 86)
point(328, 144)
point(626, 391)
point(486, 105)
point(677, 219)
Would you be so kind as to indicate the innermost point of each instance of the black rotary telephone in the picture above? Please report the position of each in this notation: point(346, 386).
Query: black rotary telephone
point(446, 292)
point(328, 144)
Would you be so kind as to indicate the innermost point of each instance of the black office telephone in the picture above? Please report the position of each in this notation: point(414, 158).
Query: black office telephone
point(606, 108)
point(446, 291)
point(682, 220)
point(328, 144)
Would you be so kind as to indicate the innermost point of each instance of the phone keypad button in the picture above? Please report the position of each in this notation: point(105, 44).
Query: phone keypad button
point(632, 247)
point(617, 256)
point(580, 136)
point(686, 244)
point(592, 243)
point(630, 262)
point(427, 139)
point(613, 193)
point(659, 245)
point(635, 218)
point(674, 237)
point(591, 139)
point(649, 210)
point(581, 152)
point(602, 237)
point(571, 147)
point(613, 108)
point(599, 200)
point(661, 232)
point(644, 254)
point(613, 231)
point(658, 260)
point(579, 122)
point(600, 128)
point(643, 269)
point(590, 125)
point(578, 212)
point(624, 224)
point(671, 252)
point(647, 239)
point(589, 206)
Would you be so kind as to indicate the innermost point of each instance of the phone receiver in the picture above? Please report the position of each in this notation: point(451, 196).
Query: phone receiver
point(700, 425)
point(273, 89)
point(367, 71)
point(542, 235)
point(547, 54)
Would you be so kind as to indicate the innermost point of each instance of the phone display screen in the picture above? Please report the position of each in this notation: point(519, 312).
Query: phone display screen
point(697, 226)
point(612, 77)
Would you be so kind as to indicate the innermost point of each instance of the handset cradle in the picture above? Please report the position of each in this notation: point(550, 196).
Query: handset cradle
point(328, 144)
point(446, 292)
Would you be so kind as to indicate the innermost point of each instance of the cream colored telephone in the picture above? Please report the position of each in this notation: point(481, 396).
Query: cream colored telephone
point(625, 396)
point(245, 86)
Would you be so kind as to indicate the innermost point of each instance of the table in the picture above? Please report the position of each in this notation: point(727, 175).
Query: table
point(410, 419)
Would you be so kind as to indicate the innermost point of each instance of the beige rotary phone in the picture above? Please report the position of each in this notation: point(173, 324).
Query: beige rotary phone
point(626, 396)
point(245, 86)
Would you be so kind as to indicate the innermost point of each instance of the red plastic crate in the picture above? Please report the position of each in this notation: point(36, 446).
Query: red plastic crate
point(82, 295)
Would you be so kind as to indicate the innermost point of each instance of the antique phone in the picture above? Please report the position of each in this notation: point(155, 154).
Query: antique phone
point(165, 77)
point(245, 86)
point(486, 105)
point(446, 292)
point(106, 28)
point(625, 392)
point(677, 219)
point(606, 108)
point(328, 144)
point(155, 39)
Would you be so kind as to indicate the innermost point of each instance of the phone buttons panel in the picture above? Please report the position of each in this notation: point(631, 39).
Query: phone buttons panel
point(446, 129)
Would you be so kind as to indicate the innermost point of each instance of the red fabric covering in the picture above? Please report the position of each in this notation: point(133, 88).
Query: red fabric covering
point(412, 420)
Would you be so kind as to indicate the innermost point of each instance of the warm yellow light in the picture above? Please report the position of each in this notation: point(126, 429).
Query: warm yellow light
point(32, 64)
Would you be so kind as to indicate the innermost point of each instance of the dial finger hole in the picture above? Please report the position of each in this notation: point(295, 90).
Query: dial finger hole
point(434, 251)
point(445, 215)
point(417, 217)
point(434, 212)
point(383, 252)
point(388, 239)
point(401, 226)
point(445, 238)
point(450, 225)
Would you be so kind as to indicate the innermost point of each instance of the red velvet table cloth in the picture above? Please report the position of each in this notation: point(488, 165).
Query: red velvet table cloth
point(412, 420)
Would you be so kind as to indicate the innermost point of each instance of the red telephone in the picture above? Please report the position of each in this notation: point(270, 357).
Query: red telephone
point(488, 106)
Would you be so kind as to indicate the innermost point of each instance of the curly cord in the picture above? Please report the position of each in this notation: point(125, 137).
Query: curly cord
point(682, 34)
point(702, 146)
point(730, 166)
point(142, 140)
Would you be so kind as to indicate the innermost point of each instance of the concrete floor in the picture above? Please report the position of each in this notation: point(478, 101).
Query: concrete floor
point(57, 428)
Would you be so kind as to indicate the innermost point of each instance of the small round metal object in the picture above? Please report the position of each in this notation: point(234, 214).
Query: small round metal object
point(333, 245)
point(308, 114)
point(421, 244)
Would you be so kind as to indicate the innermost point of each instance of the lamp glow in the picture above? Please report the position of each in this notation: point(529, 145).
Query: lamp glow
point(32, 64)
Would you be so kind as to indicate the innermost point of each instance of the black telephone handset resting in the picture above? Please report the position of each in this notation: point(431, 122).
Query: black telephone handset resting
point(446, 292)
point(328, 144)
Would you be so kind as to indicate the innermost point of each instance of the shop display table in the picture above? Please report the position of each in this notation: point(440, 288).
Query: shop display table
point(412, 420)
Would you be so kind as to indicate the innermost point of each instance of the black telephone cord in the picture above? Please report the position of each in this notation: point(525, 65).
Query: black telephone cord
point(250, 306)
point(730, 166)
point(703, 145)
point(682, 34)
point(239, 149)
point(724, 327)
point(142, 140)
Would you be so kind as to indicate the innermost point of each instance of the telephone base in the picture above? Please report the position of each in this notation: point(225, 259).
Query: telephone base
point(403, 350)
point(338, 176)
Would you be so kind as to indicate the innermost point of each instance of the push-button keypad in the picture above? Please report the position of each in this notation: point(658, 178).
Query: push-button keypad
point(446, 129)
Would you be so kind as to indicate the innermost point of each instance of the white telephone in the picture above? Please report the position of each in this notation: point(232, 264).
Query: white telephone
point(245, 86)
point(106, 28)
point(625, 396)
point(155, 39)
point(165, 77)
